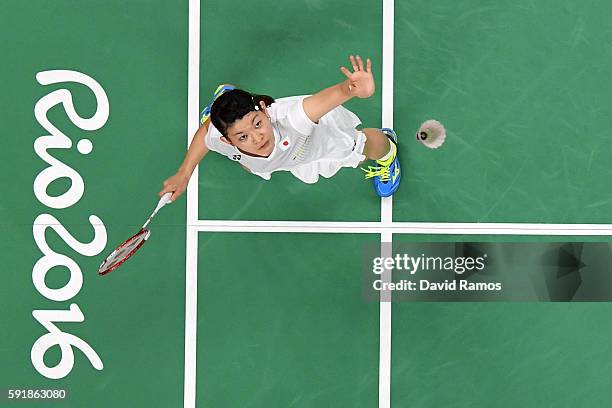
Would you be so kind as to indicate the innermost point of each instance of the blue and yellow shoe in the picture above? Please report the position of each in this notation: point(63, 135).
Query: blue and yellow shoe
point(387, 174)
point(221, 89)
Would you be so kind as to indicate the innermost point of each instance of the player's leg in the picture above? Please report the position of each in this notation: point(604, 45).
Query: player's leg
point(377, 144)
point(381, 146)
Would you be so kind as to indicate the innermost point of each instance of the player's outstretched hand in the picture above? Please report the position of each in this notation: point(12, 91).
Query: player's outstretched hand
point(361, 81)
point(177, 184)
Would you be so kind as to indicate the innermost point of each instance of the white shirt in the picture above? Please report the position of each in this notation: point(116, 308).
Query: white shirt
point(298, 140)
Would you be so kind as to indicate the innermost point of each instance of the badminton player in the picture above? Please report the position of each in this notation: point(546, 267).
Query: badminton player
point(309, 136)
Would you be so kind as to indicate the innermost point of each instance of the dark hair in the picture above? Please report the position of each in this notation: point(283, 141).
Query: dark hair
point(233, 105)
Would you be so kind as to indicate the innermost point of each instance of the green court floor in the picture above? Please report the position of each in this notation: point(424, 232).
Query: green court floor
point(134, 320)
point(277, 328)
point(522, 89)
point(502, 354)
point(283, 60)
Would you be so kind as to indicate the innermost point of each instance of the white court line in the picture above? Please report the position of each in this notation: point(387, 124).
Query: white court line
point(386, 214)
point(442, 228)
point(191, 246)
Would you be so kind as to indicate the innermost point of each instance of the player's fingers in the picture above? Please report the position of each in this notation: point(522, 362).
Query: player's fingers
point(360, 62)
point(369, 65)
point(167, 189)
point(346, 72)
point(176, 195)
point(354, 63)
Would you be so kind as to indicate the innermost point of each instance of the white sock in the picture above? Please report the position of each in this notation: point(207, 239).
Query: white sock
point(390, 154)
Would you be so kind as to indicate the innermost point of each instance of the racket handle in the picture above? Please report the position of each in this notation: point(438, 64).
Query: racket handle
point(162, 201)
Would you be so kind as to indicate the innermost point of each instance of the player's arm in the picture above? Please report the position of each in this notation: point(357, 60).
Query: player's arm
point(196, 152)
point(360, 83)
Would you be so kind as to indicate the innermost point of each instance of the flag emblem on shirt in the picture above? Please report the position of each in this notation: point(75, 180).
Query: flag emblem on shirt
point(284, 144)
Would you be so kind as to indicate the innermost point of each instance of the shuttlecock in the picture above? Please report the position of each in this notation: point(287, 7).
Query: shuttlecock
point(431, 133)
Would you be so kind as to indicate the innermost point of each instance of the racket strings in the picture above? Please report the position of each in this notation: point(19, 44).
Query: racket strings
point(123, 252)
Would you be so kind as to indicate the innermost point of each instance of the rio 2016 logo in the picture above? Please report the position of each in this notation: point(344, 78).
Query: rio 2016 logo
point(51, 259)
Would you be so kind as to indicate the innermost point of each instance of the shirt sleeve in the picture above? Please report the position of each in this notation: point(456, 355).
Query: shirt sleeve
point(298, 119)
point(211, 140)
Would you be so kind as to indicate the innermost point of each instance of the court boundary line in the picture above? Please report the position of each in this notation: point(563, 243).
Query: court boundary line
point(386, 212)
point(191, 244)
point(398, 227)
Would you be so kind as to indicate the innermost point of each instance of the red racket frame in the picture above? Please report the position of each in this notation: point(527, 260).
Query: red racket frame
point(141, 232)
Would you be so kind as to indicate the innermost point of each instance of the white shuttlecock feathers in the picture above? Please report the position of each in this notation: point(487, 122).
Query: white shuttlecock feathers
point(431, 133)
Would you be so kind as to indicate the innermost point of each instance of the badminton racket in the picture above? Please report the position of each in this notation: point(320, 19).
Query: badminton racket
point(132, 244)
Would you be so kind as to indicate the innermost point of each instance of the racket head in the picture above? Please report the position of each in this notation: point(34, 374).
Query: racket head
point(124, 251)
